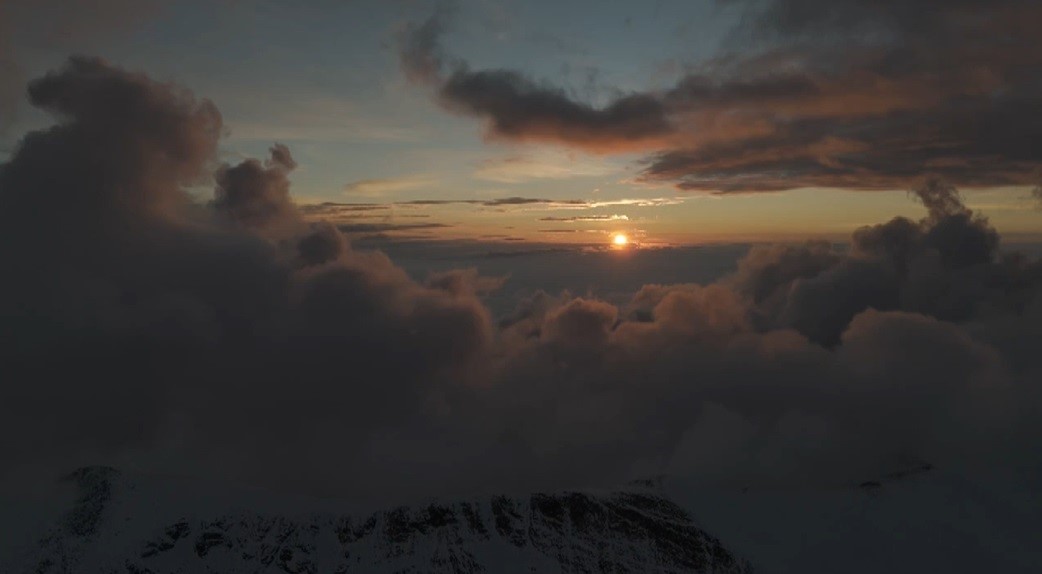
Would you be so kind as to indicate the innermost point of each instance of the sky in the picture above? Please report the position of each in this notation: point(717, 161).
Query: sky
point(764, 132)
point(330, 248)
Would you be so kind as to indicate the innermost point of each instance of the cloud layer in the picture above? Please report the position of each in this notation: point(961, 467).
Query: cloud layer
point(855, 94)
point(234, 337)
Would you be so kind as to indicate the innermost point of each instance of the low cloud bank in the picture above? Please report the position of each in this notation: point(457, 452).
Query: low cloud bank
point(234, 338)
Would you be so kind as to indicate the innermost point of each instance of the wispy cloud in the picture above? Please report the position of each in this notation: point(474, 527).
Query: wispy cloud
point(587, 218)
point(639, 202)
point(328, 209)
point(384, 186)
point(545, 165)
point(388, 226)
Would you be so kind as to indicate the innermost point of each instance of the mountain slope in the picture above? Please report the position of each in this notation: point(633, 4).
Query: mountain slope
point(121, 524)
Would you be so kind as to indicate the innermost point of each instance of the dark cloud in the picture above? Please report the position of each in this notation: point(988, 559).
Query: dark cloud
point(484, 202)
point(515, 201)
point(864, 94)
point(531, 200)
point(857, 94)
point(281, 158)
point(518, 108)
point(145, 319)
point(940, 199)
point(257, 195)
point(324, 244)
point(328, 205)
point(512, 200)
point(127, 150)
point(946, 265)
point(240, 339)
point(352, 210)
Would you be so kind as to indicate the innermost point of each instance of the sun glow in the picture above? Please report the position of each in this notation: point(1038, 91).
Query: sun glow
point(620, 240)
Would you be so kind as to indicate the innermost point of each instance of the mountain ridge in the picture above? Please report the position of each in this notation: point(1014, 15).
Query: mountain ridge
point(631, 529)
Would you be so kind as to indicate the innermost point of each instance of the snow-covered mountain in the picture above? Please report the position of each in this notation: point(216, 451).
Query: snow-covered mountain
point(122, 523)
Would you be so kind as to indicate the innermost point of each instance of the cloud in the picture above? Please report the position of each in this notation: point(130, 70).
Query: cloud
point(516, 107)
point(637, 202)
point(238, 338)
point(387, 226)
point(420, 54)
point(256, 195)
point(387, 186)
point(187, 309)
point(521, 168)
point(587, 218)
point(348, 210)
point(860, 96)
point(465, 282)
point(330, 208)
point(529, 201)
point(852, 95)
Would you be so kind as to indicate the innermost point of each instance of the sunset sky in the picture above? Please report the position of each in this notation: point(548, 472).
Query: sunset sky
point(327, 247)
point(830, 138)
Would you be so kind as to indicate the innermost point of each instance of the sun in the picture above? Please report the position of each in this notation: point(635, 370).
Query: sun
point(620, 240)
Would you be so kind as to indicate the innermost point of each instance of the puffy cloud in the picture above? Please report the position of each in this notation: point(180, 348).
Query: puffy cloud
point(143, 318)
point(255, 195)
point(238, 338)
point(579, 323)
point(147, 143)
point(324, 244)
point(465, 282)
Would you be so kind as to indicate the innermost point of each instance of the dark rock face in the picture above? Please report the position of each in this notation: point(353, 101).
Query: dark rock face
point(95, 491)
point(63, 545)
point(622, 531)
